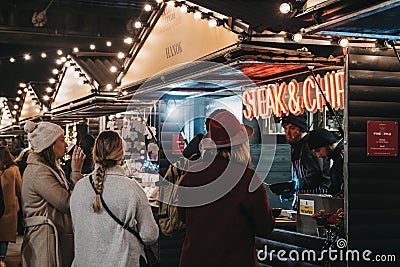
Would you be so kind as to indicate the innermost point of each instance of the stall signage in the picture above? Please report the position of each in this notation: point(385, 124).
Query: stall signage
point(306, 207)
point(277, 99)
point(178, 144)
point(382, 138)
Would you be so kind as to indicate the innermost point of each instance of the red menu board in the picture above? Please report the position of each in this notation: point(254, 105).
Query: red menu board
point(382, 138)
point(178, 144)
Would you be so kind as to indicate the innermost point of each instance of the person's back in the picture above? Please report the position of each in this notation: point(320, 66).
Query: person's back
point(99, 239)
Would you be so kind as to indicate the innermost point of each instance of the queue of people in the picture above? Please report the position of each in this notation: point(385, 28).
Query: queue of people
point(64, 214)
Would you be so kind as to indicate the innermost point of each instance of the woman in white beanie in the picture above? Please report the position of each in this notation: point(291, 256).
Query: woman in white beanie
point(48, 237)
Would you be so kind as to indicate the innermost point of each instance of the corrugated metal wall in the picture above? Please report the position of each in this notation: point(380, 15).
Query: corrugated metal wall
point(373, 182)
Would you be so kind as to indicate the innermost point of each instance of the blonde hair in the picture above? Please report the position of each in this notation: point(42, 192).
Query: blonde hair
point(108, 150)
point(238, 153)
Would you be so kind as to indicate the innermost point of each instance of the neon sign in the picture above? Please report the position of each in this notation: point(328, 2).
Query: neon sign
point(277, 99)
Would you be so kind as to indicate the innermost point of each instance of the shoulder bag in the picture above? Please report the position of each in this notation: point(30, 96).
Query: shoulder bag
point(151, 259)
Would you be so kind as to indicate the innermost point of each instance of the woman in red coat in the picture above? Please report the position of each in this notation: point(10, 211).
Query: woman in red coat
point(222, 214)
point(11, 184)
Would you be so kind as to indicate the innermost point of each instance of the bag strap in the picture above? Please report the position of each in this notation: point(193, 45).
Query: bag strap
point(125, 226)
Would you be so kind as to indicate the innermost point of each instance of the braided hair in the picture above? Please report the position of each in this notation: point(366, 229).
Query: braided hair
point(107, 152)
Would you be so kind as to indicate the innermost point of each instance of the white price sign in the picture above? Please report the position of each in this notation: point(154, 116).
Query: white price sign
point(306, 207)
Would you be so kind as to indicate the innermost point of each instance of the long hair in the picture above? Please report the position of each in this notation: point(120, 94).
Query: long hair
point(50, 158)
point(108, 150)
point(6, 159)
point(238, 153)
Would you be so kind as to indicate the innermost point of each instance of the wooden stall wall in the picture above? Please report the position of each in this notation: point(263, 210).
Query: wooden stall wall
point(373, 182)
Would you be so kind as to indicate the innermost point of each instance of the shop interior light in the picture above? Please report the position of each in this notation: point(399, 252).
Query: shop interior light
point(197, 15)
point(92, 47)
point(17, 99)
point(113, 69)
point(212, 23)
point(343, 42)
point(26, 89)
point(49, 90)
point(27, 57)
point(59, 52)
point(58, 61)
point(108, 43)
point(19, 92)
point(128, 40)
point(55, 71)
point(183, 9)
point(138, 25)
point(12, 60)
point(171, 4)
point(52, 80)
point(46, 97)
point(76, 49)
point(43, 55)
point(121, 55)
point(147, 7)
point(297, 37)
point(285, 8)
point(15, 106)
point(22, 85)
point(63, 59)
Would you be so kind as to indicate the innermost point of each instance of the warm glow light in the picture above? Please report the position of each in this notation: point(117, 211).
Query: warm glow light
point(108, 43)
point(12, 60)
point(343, 42)
point(121, 55)
point(15, 106)
point(109, 86)
point(58, 61)
point(197, 15)
point(113, 69)
point(63, 59)
point(285, 8)
point(19, 92)
point(76, 49)
point(147, 7)
point(52, 80)
point(183, 8)
point(22, 85)
point(27, 57)
point(46, 97)
point(14, 112)
point(92, 46)
point(138, 25)
point(124, 92)
point(25, 89)
point(159, 1)
point(55, 71)
point(17, 99)
point(49, 90)
point(297, 37)
point(43, 55)
point(59, 52)
point(128, 40)
point(212, 23)
point(171, 4)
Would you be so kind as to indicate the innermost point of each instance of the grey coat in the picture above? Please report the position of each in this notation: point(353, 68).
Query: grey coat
point(99, 240)
point(48, 238)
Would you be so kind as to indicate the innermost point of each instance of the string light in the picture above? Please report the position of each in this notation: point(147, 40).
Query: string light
point(76, 49)
point(12, 60)
point(59, 52)
point(43, 55)
point(148, 8)
point(108, 43)
point(121, 55)
point(92, 47)
point(27, 57)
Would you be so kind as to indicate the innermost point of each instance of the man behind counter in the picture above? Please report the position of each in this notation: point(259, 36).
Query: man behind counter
point(310, 171)
point(325, 145)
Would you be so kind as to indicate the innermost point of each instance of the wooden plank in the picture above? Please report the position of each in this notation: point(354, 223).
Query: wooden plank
point(374, 109)
point(374, 62)
point(374, 78)
point(378, 93)
point(359, 123)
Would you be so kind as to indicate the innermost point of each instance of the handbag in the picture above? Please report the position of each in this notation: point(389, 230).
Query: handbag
point(151, 260)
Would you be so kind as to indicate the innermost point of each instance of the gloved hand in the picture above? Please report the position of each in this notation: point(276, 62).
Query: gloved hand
point(296, 183)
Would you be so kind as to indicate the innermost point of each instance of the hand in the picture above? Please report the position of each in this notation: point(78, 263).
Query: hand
point(78, 157)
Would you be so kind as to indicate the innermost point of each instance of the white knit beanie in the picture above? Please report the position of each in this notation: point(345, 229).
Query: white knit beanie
point(42, 135)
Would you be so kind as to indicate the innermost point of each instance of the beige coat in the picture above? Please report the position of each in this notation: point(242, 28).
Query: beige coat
point(48, 237)
point(11, 184)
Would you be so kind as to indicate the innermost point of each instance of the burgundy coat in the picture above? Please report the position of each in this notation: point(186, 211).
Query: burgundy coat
point(222, 233)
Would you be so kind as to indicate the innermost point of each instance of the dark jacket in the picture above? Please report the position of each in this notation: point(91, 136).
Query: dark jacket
point(336, 171)
point(311, 171)
point(222, 232)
